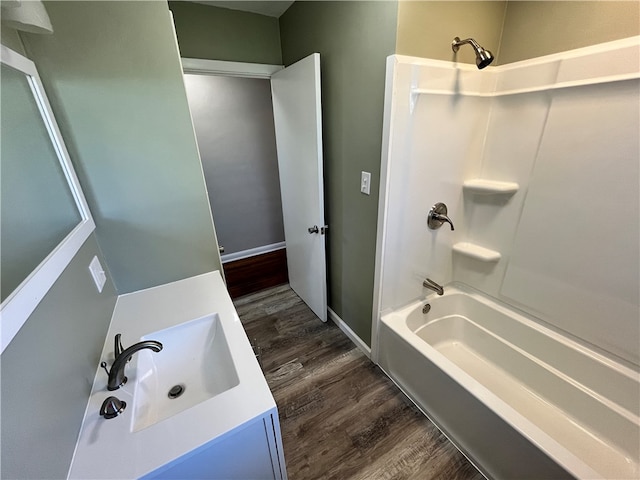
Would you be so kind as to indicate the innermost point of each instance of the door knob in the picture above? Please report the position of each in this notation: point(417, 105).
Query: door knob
point(313, 229)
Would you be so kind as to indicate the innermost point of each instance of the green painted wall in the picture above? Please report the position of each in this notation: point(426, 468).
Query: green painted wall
point(353, 39)
point(10, 38)
point(113, 75)
point(50, 364)
point(536, 28)
point(222, 34)
point(47, 372)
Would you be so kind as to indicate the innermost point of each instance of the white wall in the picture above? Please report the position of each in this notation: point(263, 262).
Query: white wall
point(569, 237)
point(574, 260)
point(430, 155)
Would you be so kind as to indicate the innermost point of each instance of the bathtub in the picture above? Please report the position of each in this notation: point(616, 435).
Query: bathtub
point(518, 399)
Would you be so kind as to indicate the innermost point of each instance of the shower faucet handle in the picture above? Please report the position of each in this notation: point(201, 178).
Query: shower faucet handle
point(437, 216)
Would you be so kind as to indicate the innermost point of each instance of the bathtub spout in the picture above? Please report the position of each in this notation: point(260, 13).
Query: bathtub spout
point(430, 284)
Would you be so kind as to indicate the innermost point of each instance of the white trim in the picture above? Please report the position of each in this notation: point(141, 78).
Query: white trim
point(604, 47)
point(608, 62)
point(252, 252)
point(20, 304)
point(342, 325)
point(229, 69)
point(385, 171)
point(538, 88)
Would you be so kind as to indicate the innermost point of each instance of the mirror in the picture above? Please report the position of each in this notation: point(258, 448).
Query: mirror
point(44, 217)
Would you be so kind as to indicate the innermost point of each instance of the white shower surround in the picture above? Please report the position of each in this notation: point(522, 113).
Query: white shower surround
point(469, 124)
point(564, 127)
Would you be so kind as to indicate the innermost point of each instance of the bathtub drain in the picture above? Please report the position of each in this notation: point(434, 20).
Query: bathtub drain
point(176, 391)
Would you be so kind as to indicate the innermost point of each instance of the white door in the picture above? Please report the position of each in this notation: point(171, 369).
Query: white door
point(298, 125)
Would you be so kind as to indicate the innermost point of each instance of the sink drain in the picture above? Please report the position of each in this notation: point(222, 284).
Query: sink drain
point(176, 391)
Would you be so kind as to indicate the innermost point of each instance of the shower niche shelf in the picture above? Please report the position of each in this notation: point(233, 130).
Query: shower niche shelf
point(477, 252)
point(481, 186)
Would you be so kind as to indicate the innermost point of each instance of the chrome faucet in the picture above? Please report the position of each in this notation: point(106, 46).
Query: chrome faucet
point(116, 374)
point(430, 284)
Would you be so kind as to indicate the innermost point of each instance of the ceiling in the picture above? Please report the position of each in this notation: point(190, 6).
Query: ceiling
point(270, 8)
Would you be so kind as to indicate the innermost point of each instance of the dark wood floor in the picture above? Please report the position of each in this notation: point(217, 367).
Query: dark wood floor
point(341, 417)
point(256, 273)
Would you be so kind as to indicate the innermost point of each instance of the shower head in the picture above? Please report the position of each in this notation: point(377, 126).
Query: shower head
point(483, 57)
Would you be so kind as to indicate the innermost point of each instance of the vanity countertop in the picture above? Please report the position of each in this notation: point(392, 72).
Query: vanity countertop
point(110, 448)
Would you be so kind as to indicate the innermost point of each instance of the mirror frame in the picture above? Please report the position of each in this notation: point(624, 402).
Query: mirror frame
point(20, 304)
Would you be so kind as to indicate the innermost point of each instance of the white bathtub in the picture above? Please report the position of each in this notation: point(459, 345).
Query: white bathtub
point(520, 400)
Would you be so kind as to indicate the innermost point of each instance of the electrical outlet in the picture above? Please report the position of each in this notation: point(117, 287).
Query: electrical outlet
point(97, 272)
point(365, 183)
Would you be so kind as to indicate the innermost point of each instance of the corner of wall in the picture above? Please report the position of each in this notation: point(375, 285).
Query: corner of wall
point(504, 21)
point(10, 37)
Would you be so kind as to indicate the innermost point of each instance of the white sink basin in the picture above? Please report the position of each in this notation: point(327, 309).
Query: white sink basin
point(194, 365)
point(206, 349)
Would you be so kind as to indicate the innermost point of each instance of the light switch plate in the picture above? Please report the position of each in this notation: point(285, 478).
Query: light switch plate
point(97, 272)
point(365, 183)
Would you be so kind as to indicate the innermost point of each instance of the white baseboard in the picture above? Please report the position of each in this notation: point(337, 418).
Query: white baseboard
point(349, 333)
point(252, 252)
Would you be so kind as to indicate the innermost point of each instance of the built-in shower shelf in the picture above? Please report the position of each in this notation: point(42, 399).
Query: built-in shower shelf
point(481, 186)
point(476, 251)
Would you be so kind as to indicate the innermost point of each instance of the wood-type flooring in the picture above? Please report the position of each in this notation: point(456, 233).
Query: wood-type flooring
point(341, 417)
point(256, 273)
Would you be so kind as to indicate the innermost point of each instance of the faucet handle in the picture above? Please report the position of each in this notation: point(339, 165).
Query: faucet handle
point(112, 407)
point(117, 350)
point(104, 365)
point(117, 347)
point(437, 216)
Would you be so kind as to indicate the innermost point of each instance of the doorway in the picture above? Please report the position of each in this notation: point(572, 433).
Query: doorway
point(297, 124)
point(233, 121)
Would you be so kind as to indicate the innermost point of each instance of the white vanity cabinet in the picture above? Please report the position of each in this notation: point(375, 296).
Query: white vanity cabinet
point(248, 452)
point(227, 424)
